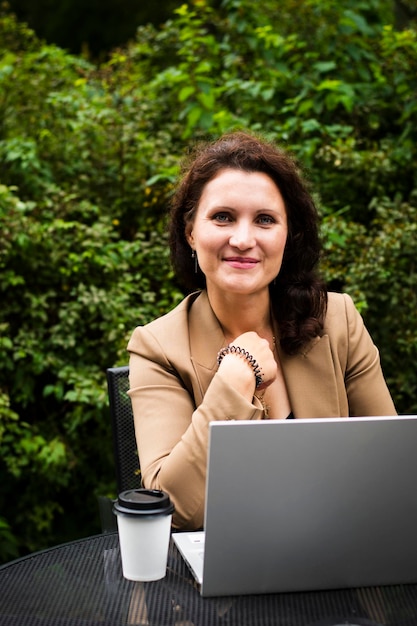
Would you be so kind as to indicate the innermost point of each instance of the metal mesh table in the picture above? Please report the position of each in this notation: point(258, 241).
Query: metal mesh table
point(81, 584)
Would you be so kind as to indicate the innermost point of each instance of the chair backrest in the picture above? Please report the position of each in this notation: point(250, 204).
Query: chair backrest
point(124, 441)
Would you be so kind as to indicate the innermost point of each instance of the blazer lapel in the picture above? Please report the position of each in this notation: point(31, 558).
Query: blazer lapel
point(311, 380)
point(206, 339)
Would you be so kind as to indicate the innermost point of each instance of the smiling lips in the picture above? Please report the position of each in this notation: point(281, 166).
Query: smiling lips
point(240, 262)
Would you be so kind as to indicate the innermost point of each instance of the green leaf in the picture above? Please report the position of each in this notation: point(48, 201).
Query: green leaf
point(186, 92)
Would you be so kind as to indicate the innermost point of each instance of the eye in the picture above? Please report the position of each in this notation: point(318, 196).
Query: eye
point(265, 220)
point(221, 217)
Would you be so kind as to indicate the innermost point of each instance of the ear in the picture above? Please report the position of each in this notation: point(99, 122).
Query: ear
point(189, 234)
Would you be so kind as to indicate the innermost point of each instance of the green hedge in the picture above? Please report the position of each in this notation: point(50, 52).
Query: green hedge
point(88, 157)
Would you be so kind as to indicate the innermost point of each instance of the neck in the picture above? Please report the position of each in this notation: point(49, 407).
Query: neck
point(240, 314)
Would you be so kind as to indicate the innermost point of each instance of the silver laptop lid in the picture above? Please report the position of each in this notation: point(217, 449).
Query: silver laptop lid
point(310, 504)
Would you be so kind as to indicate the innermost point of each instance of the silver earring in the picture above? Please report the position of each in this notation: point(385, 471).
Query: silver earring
point(194, 256)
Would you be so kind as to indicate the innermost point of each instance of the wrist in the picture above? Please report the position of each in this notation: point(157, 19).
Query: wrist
point(238, 375)
point(246, 357)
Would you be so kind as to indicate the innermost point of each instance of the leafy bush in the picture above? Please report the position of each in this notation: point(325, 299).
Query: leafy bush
point(74, 291)
point(88, 157)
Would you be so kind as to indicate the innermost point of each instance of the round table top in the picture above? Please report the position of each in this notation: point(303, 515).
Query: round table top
point(81, 583)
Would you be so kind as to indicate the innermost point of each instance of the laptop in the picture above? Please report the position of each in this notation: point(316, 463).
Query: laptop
point(307, 504)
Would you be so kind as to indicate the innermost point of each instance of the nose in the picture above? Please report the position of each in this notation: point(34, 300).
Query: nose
point(242, 236)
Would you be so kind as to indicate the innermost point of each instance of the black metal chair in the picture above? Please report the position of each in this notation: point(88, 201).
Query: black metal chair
point(124, 441)
point(127, 467)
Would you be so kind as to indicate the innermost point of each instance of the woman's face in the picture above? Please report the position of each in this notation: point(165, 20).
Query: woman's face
point(239, 232)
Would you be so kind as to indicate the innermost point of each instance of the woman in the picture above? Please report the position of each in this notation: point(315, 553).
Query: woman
point(259, 338)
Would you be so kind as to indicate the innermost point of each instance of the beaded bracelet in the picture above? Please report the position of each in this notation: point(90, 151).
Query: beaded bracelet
point(246, 355)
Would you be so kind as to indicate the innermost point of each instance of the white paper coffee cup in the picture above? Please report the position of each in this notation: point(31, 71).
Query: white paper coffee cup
point(144, 523)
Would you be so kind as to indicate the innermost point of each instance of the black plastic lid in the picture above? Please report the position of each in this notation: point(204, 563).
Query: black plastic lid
point(143, 502)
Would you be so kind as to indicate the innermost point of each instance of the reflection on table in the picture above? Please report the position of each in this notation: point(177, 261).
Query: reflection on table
point(81, 583)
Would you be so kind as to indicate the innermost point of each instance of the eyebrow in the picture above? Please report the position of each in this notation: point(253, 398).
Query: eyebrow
point(257, 212)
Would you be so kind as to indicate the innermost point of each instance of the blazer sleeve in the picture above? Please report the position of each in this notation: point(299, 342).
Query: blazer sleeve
point(366, 388)
point(171, 432)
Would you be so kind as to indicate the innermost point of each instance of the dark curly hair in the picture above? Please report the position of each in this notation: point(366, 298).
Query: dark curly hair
point(298, 295)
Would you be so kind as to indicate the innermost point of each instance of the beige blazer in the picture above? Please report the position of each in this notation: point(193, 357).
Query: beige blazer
point(175, 391)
